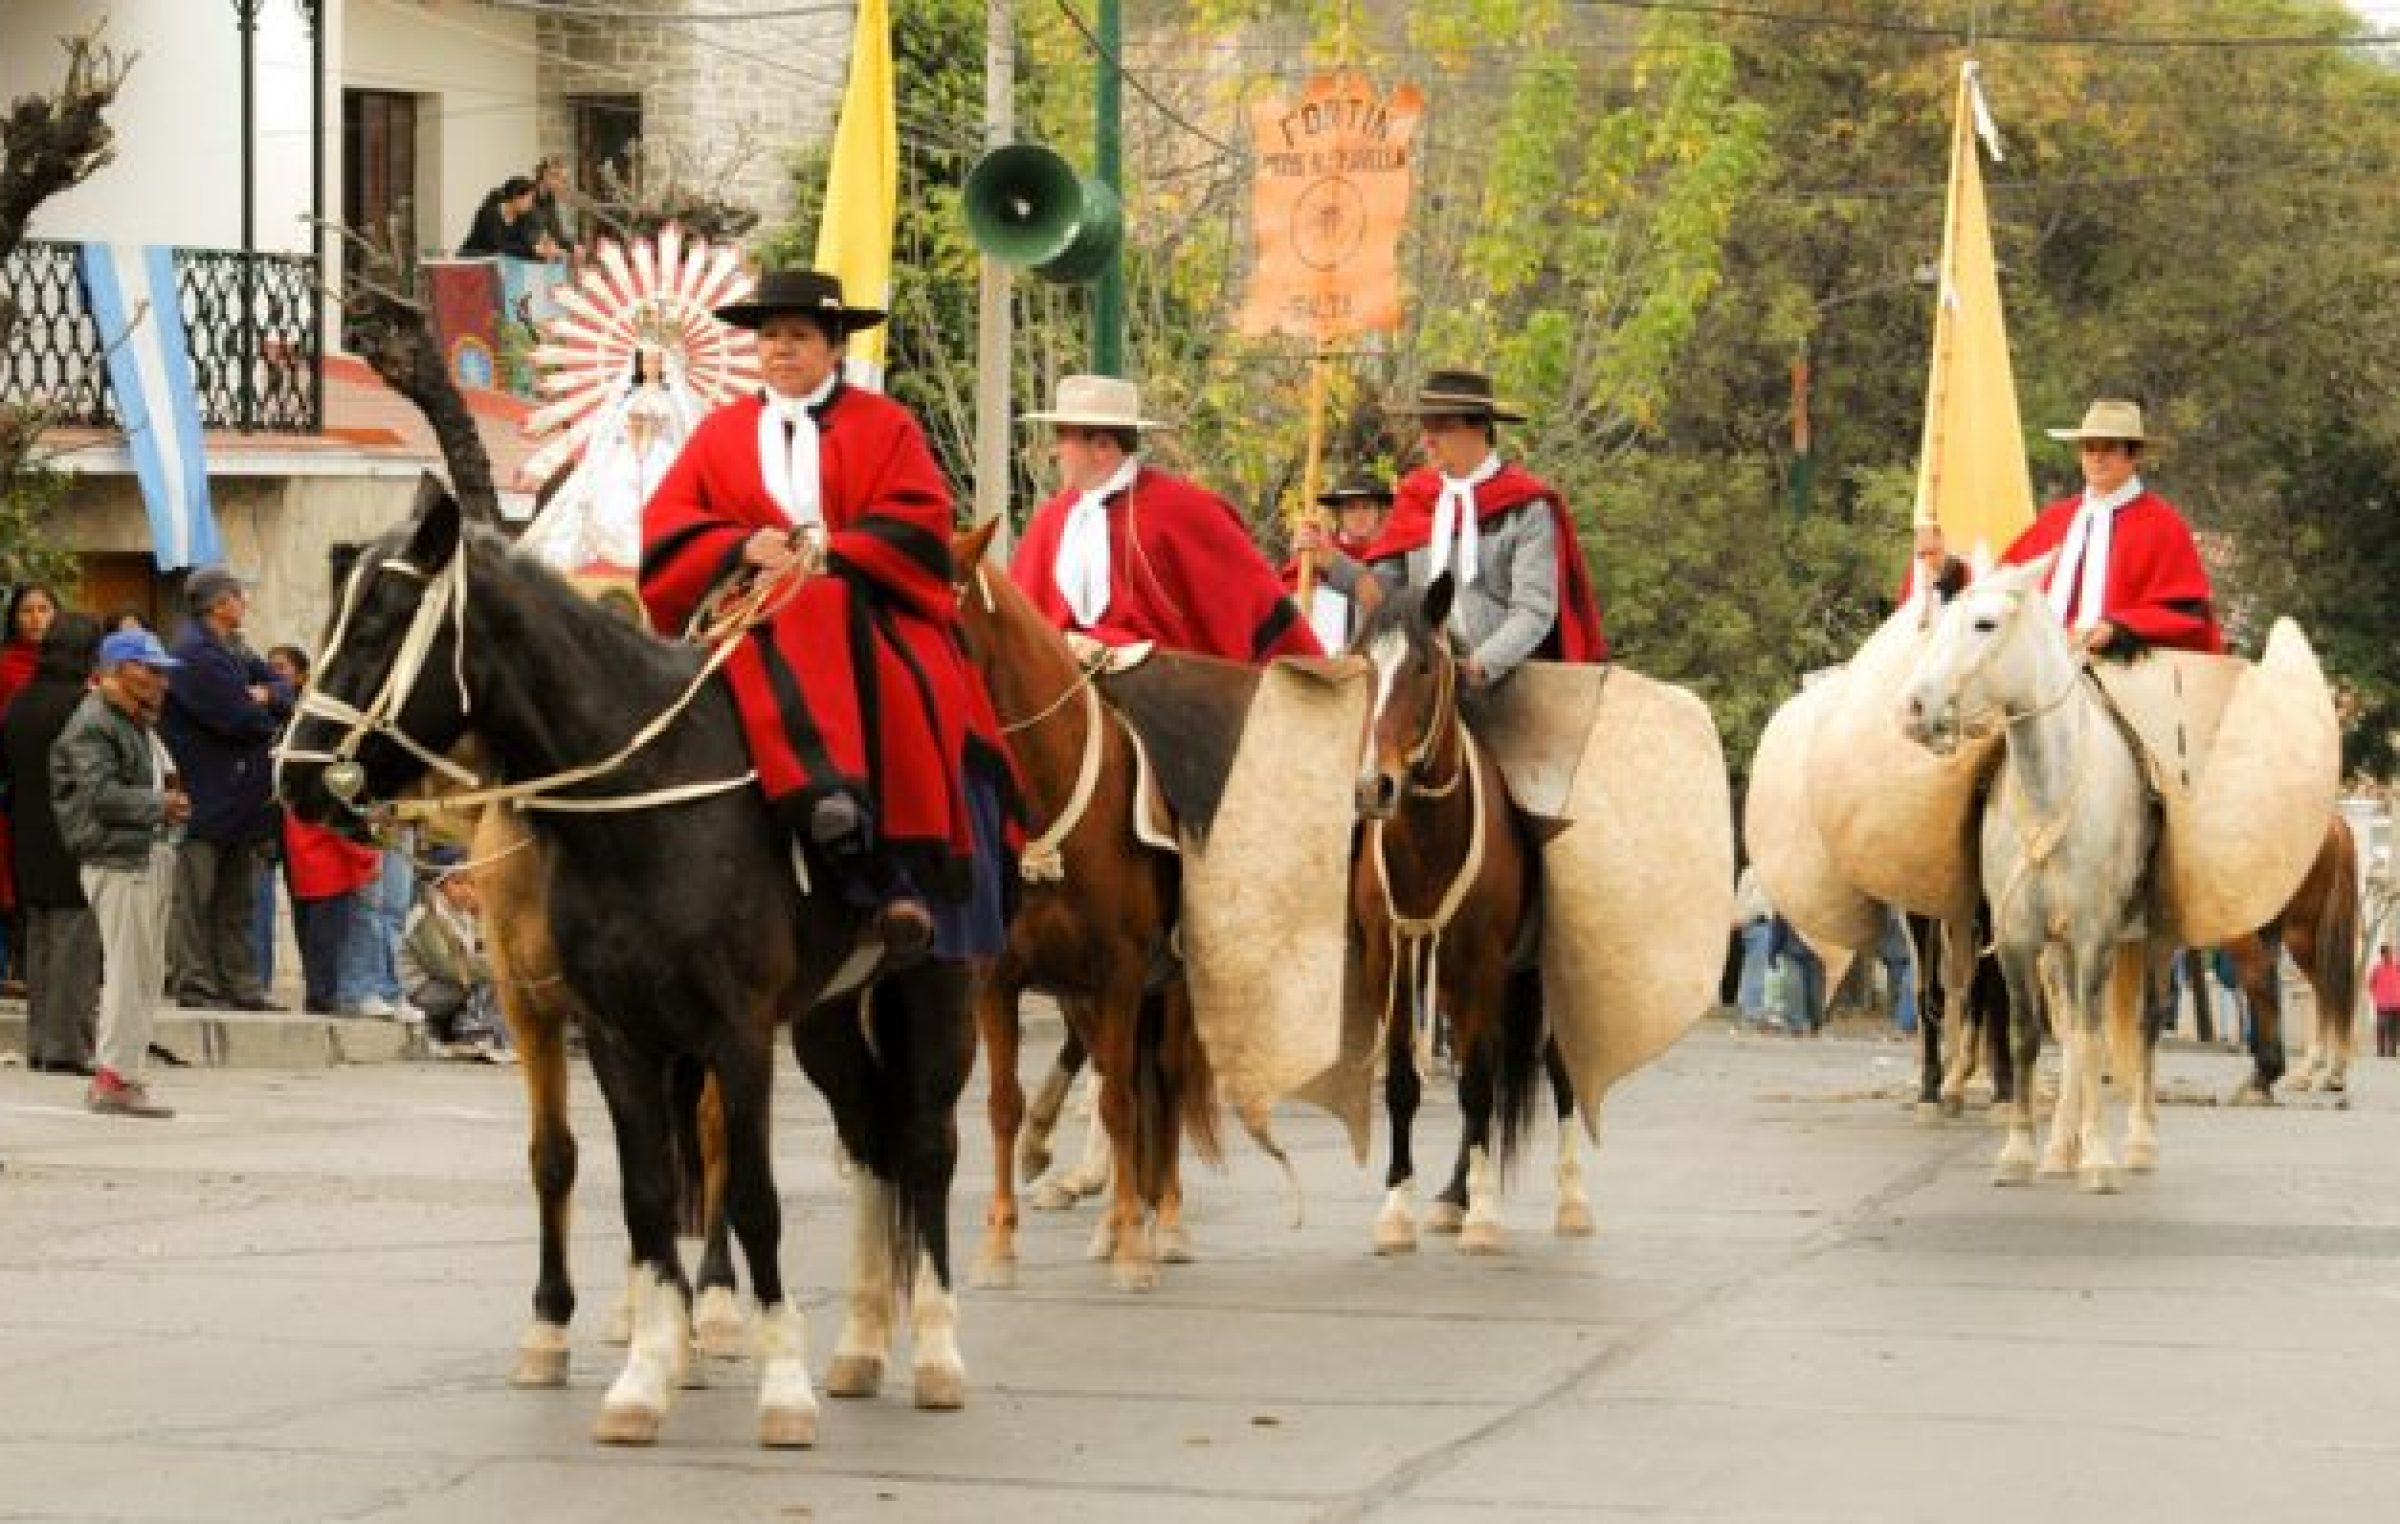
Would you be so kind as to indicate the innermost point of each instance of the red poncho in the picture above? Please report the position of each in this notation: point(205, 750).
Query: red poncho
point(1181, 571)
point(2157, 588)
point(1411, 528)
point(860, 683)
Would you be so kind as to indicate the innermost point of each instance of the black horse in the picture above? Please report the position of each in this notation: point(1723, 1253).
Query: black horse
point(681, 927)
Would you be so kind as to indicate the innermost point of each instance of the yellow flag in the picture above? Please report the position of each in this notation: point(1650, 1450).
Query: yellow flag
point(1971, 473)
point(862, 191)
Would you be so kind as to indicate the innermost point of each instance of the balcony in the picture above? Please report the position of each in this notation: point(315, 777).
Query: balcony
point(263, 377)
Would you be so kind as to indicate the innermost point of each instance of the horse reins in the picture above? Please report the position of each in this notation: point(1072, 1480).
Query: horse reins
point(1417, 940)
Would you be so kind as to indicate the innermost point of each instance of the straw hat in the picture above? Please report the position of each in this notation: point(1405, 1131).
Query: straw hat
point(1096, 402)
point(1457, 394)
point(2108, 418)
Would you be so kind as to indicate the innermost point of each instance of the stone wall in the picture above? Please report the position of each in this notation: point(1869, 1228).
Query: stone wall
point(708, 91)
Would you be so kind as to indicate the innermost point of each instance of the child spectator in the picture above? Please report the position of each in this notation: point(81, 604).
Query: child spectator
point(444, 968)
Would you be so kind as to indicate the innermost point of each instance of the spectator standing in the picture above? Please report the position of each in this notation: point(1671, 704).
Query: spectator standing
point(30, 609)
point(62, 939)
point(1804, 980)
point(223, 711)
point(370, 977)
point(503, 223)
point(545, 221)
point(2383, 988)
point(328, 874)
point(1754, 918)
point(2233, 1008)
point(120, 806)
point(1898, 955)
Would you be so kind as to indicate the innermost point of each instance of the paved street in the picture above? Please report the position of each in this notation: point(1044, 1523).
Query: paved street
point(299, 1299)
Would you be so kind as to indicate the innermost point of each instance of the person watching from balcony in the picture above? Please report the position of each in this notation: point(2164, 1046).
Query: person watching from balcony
point(504, 223)
point(546, 224)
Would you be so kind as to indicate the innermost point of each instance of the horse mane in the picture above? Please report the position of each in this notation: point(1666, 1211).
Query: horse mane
point(1189, 711)
point(1401, 612)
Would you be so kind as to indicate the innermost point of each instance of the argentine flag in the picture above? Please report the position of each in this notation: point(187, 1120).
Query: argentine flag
point(130, 291)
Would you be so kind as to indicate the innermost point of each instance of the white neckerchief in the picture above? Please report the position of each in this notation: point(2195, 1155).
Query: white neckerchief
point(1082, 565)
point(1454, 521)
point(2080, 579)
point(787, 458)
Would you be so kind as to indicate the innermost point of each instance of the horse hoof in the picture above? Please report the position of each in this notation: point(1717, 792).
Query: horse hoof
point(627, 1425)
point(1050, 1196)
point(1133, 1275)
point(694, 1375)
point(1444, 1216)
point(1102, 1243)
point(1930, 1113)
point(1574, 1220)
point(941, 1388)
point(2337, 1087)
point(541, 1358)
point(1175, 1245)
point(2142, 1158)
point(994, 1273)
point(1395, 1237)
point(787, 1428)
point(2098, 1179)
point(2013, 1172)
point(2057, 1163)
point(2251, 1095)
point(1479, 1238)
point(718, 1327)
point(1954, 1106)
point(854, 1376)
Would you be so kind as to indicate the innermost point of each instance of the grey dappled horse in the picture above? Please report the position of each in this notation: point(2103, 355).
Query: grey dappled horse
point(2067, 835)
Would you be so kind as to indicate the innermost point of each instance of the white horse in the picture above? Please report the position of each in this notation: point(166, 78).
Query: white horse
point(2067, 836)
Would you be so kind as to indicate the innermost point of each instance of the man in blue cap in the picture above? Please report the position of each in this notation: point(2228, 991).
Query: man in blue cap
point(120, 806)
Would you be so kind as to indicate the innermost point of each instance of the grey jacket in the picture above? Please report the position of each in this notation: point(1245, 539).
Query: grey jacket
point(1510, 608)
point(104, 787)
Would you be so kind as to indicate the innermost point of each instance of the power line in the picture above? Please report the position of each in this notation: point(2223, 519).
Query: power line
point(1990, 34)
point(1118, 65)
point(673, 18)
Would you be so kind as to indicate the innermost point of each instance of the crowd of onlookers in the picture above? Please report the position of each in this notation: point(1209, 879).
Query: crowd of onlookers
point(141, 848)
point(522, 217)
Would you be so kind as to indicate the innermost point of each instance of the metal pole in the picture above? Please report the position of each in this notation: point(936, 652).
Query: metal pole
point(246, 17)
point(1108, 297)
point(992, 419)
point(313, 11)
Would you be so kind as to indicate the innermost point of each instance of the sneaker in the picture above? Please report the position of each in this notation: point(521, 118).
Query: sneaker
point(112, 1097)
point(374, 1006)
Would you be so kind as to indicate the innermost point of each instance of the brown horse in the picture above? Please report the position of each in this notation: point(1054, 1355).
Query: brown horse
point(1094, 928)
point(2319, 927)
point(1445, 901)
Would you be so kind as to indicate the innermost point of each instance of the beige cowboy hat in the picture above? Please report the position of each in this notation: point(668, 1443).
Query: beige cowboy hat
point(1457, 394)
point(1096, 402)
point(2108, 418)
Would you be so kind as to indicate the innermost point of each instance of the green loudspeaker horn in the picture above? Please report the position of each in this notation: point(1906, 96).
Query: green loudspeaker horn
point(1026, 206)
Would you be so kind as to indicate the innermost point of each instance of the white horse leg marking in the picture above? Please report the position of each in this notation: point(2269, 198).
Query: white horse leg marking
point(2063, 1152)
point(662, 1336)
point(718, 1325)
point(1574, 1219)
point(941, 1373)
point(2015, 1164)
point(621, 1316)
point(2097, 1169)
point(1396, 1224)
point(1087, 1176)
point(1480, 1233)
point(787, 1404)
point(541, 1356)
point(866, 1341)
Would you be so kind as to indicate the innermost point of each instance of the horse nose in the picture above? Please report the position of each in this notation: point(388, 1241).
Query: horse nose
point(1912, 717)
point(1378, 795)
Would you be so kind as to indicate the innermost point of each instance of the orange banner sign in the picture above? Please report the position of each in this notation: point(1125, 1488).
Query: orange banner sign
point(1328, 200)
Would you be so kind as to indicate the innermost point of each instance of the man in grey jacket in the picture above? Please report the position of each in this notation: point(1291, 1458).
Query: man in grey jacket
point(120, 805)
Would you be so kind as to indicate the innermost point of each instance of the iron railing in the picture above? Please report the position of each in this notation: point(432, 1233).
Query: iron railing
point(264, 375)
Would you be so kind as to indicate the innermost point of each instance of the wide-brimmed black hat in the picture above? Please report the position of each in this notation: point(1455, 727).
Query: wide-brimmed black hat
point(1457, 394)
point(812, 292)
point(1357, 488)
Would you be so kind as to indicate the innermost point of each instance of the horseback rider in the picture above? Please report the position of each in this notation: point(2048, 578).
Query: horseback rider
point(872, 737)
point(2128, 575)
point(1524, 589)
point(1358, 505)
point(1126, 552)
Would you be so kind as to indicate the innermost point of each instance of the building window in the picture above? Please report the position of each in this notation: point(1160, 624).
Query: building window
point(606, 129)
point(379, 164)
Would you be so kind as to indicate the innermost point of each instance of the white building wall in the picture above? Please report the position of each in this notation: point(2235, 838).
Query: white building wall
point(473, 69)
point(177, 174)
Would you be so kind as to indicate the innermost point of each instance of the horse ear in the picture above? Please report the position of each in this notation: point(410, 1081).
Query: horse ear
point(969, 546)
point(433, 539)
point(2037, 571)
point(1438, 594)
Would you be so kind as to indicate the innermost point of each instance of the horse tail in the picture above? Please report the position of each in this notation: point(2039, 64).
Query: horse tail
point(1195, 1080)
point(1519, 1077)
point(2337, 960)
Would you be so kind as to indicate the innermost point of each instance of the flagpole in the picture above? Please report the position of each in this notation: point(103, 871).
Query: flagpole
point(992, 316)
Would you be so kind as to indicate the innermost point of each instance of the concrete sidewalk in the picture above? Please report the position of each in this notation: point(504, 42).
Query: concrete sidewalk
point(253, 1039)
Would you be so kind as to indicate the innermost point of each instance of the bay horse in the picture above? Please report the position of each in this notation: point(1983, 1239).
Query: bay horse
point(1094, 928)
point(2320, 928)
point(1445, 901)
point(2067, 837)
point(680, 928)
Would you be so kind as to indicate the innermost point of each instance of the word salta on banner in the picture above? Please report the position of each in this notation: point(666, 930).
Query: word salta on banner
point(1328, 200)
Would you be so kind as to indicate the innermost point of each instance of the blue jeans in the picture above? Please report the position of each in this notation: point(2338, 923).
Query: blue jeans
point(371, 950)
point(1903, 976)
point(1758, 939)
